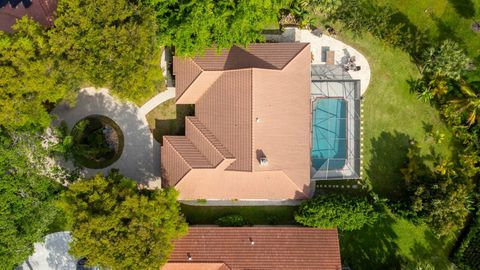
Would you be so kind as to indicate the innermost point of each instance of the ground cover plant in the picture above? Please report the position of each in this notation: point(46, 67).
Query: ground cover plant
point(97, 142)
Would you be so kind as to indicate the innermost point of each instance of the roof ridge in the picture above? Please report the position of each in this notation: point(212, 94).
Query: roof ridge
point(295, 56)
point(195, 148)
point(196, 122)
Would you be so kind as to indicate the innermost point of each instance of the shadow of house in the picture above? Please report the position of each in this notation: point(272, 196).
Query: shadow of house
point(464, 8)
point(388, 156)
point(176, 126)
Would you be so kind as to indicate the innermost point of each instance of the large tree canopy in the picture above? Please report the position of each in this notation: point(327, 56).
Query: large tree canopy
point(191, 26)
point(26, 197)
point(118, 226)
point(29, 77)
point(109, 44)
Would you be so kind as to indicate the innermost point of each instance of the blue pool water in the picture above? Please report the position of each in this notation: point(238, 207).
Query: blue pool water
point(329, 126)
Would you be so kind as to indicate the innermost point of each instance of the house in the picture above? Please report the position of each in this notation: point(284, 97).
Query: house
point(222, 248)
point(40, 10)
point(250, 136)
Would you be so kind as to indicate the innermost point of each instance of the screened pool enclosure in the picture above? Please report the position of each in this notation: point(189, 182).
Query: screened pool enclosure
point(335, 146)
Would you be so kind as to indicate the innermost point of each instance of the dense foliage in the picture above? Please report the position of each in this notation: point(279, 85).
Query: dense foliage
point(96, 142)
point(439, 196)
point(29, 77)
point(112, 44)
point(346, 213)
point(193, 26)
point(27, 194)
point(117, 225)
point(467, 256)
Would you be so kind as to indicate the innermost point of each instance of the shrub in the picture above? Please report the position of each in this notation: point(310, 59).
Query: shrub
point(346, 213)
point(230, 221)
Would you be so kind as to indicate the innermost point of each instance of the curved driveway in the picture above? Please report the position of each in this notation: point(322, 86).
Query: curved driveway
point(140, 159)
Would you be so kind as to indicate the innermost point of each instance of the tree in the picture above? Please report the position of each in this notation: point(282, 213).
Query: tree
point(439, 196)
point(447, 61)
point(109, 44)
point(27, 196)
point(30, 78)
point(327, 7)
point(119, 226)
point(346, 213)
point(469, 103)
point(192, 26)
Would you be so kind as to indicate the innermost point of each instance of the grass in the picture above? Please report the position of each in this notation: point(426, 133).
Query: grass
point(258, 215)
point(168, 119)
point(392, 242)
point(393, 116)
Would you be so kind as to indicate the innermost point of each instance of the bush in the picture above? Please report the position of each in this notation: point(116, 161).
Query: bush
point(230, 221)
point(467, 256)
point(346, 213)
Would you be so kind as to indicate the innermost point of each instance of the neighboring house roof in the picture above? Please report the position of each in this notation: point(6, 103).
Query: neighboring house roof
point(39, 10)
point(249, 104)
point(265, 248)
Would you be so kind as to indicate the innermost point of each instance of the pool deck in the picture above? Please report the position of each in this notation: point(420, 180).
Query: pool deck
point(342, 53)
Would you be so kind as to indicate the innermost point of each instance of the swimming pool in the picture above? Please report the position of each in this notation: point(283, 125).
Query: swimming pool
point(329, 126)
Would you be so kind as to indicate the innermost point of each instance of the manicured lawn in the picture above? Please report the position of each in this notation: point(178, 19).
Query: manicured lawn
point(168, 119)
point(391, 241)
point(258, 215)
point(393, 116)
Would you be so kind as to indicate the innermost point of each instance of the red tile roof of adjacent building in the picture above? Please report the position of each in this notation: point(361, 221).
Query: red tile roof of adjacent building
point(276, 248)
point(39, 10)
point(249, 104)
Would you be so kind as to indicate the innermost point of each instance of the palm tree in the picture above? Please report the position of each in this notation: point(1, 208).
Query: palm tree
point(470, 103)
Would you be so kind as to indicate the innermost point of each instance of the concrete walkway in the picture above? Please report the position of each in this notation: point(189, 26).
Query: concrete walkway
point(342, 53)
point(140, 159)
point(157, 100)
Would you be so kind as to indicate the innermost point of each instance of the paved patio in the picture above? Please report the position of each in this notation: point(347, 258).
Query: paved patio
point(342, 53)
point(140, 159)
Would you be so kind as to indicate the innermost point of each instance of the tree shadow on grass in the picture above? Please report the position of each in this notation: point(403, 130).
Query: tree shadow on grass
point(388, 156)
point(464, 8)
point(373, 247)
point(432, 252)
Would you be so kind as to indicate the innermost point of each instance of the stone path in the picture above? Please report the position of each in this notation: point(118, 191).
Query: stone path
point(140, 159)
point(157, 100)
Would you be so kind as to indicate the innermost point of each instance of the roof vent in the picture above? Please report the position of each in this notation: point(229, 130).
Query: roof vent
point(258, 120)
point(251, 241)
point(189, 257)
point(263, 161)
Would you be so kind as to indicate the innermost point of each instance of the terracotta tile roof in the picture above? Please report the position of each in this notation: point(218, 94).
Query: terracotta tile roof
point(185, 148)
point(195, 266)
point(40, 10)
point(250, 109)
point(189, 70)
point(226, 110)
point(265, 55)
point(275, 248)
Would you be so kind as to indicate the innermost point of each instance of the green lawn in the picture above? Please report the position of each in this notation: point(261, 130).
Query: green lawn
point(393, 116)
point(391, 242)
point(258, 215)
point(168, 119)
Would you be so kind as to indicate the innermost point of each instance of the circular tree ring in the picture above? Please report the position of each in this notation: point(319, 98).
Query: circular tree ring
point(97, 142)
